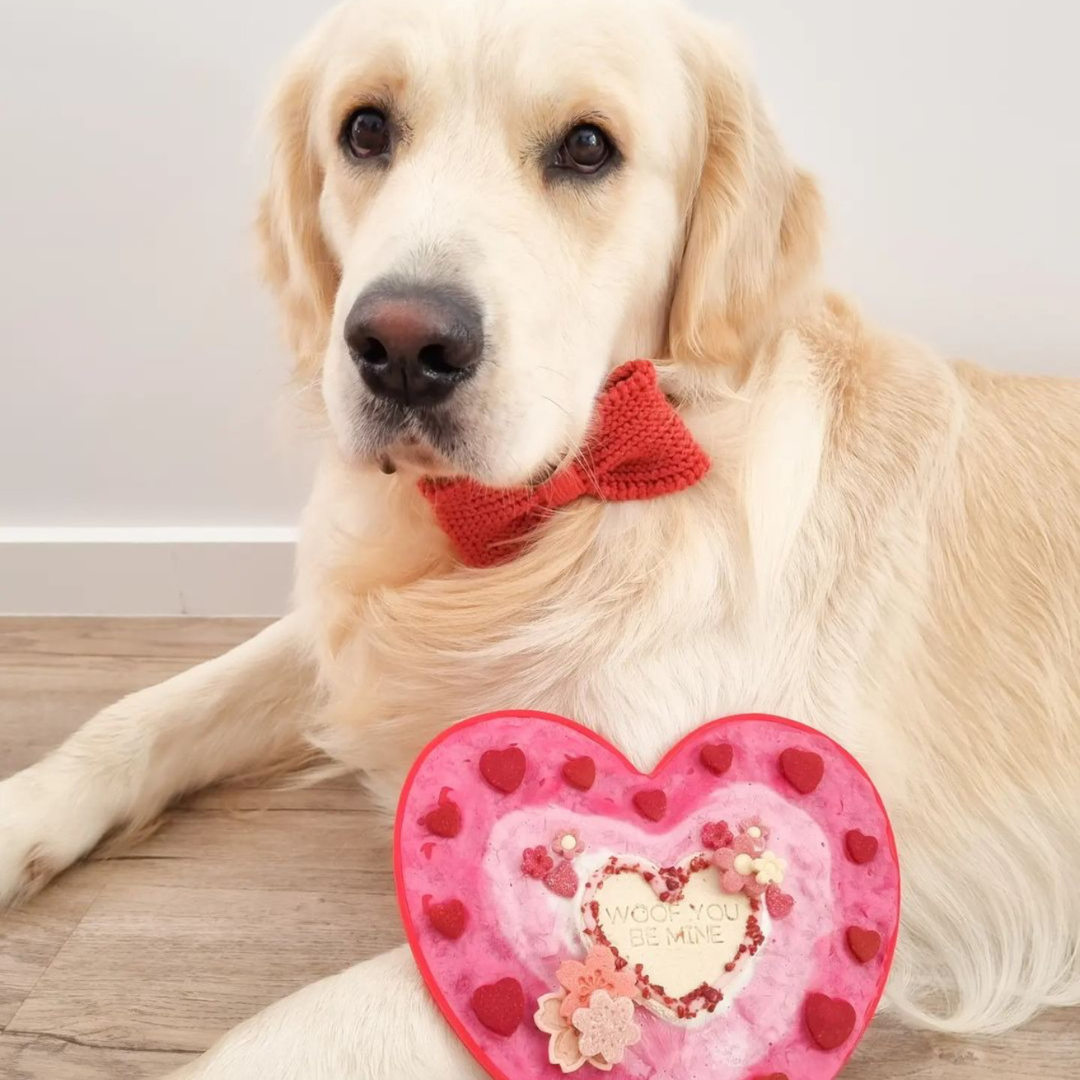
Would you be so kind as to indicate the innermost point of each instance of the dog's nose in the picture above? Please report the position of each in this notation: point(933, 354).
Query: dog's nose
point(413, 344)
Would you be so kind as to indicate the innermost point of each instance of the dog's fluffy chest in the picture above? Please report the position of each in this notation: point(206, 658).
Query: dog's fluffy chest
point(642, 650)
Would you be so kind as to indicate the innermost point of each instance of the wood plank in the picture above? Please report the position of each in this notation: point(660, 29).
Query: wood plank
point(1048, 1048)
point(174, 968)
point(337, 852)
point(123, 969)
point(177, 639)
point(334, 796)
point(889, 1053)
point(56, 673)
point(31, 938)
point(41, 704)
point(49, 686)
point(39, 1057)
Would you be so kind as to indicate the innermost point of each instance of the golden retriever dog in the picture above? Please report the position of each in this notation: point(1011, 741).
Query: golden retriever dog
point(518, 196)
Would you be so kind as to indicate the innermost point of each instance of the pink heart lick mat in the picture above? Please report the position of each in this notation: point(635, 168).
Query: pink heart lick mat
point(777, 982)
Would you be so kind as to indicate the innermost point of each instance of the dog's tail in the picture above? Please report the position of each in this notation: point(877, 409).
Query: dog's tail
point(990, 934)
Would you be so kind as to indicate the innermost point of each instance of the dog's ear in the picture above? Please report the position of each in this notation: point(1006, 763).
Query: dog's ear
point(755, 220)
point(297, 262)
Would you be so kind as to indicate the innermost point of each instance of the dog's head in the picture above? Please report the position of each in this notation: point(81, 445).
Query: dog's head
point(479, 208)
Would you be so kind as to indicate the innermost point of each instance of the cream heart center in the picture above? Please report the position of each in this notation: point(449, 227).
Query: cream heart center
point(690, 944)
point(681, 946)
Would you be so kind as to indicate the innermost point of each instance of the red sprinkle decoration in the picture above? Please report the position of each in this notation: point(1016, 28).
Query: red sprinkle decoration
point(778, 903)
point(580, 773)
point(445, 819)
point(830, 1021)
point(536, 862)
point(563, 880)
point(803, 769)
point(449, 919)
point(773, 1076)
point(861, 848)
point(716, 834)
point(651, 804)
point(500, 1007)
point(717, 757)
point(863, 944)
point(503, 769)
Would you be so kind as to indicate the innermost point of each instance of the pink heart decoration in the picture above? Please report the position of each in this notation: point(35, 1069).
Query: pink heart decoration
point(582, 915)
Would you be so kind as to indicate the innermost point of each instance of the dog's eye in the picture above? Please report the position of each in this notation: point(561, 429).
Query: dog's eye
point(586, 149)
point(366, 134)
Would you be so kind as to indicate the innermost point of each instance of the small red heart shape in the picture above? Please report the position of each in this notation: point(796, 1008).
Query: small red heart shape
point(803, 769)
point(777, 903)
point(864, 944)
point(448, 919)
point(861, 849)
point(562, 880)
point(651, 804)
point(445, 819)
point(717, 757)
point(503, 769)
point(830, 1021)
point(580, 773)
point(500, 1007)
point(662, 888)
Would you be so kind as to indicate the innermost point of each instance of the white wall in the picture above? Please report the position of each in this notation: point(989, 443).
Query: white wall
point(128, 287)
point(945, 135)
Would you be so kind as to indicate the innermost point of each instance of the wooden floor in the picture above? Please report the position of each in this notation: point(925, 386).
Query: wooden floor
point(124, 970)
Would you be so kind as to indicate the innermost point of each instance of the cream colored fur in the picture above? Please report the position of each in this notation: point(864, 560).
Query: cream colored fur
point(887, 547)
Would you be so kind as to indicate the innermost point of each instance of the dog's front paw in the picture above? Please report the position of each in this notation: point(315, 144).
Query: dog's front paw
point(31, 852)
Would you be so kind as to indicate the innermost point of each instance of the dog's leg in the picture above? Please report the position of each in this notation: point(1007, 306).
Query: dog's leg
point(236, 714)
point(375, 1021)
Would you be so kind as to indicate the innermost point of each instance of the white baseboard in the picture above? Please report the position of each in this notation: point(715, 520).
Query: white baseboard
point(145, 571)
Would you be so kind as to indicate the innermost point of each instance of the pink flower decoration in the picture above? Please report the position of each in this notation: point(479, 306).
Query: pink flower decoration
point(743, 845)
point(760, 842)
point(597, 972)
point(536, 862)
point(731, 880)
point(716, 834)
point(607, 1027)
point(561, 844)
point(564, 1048)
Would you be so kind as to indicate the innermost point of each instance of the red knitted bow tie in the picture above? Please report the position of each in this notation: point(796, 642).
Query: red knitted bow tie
point(639, 449)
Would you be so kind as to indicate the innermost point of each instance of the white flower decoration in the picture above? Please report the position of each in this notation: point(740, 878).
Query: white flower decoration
point(769, 869)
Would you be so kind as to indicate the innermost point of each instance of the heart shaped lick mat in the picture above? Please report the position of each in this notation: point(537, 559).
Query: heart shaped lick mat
point(730, 916)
